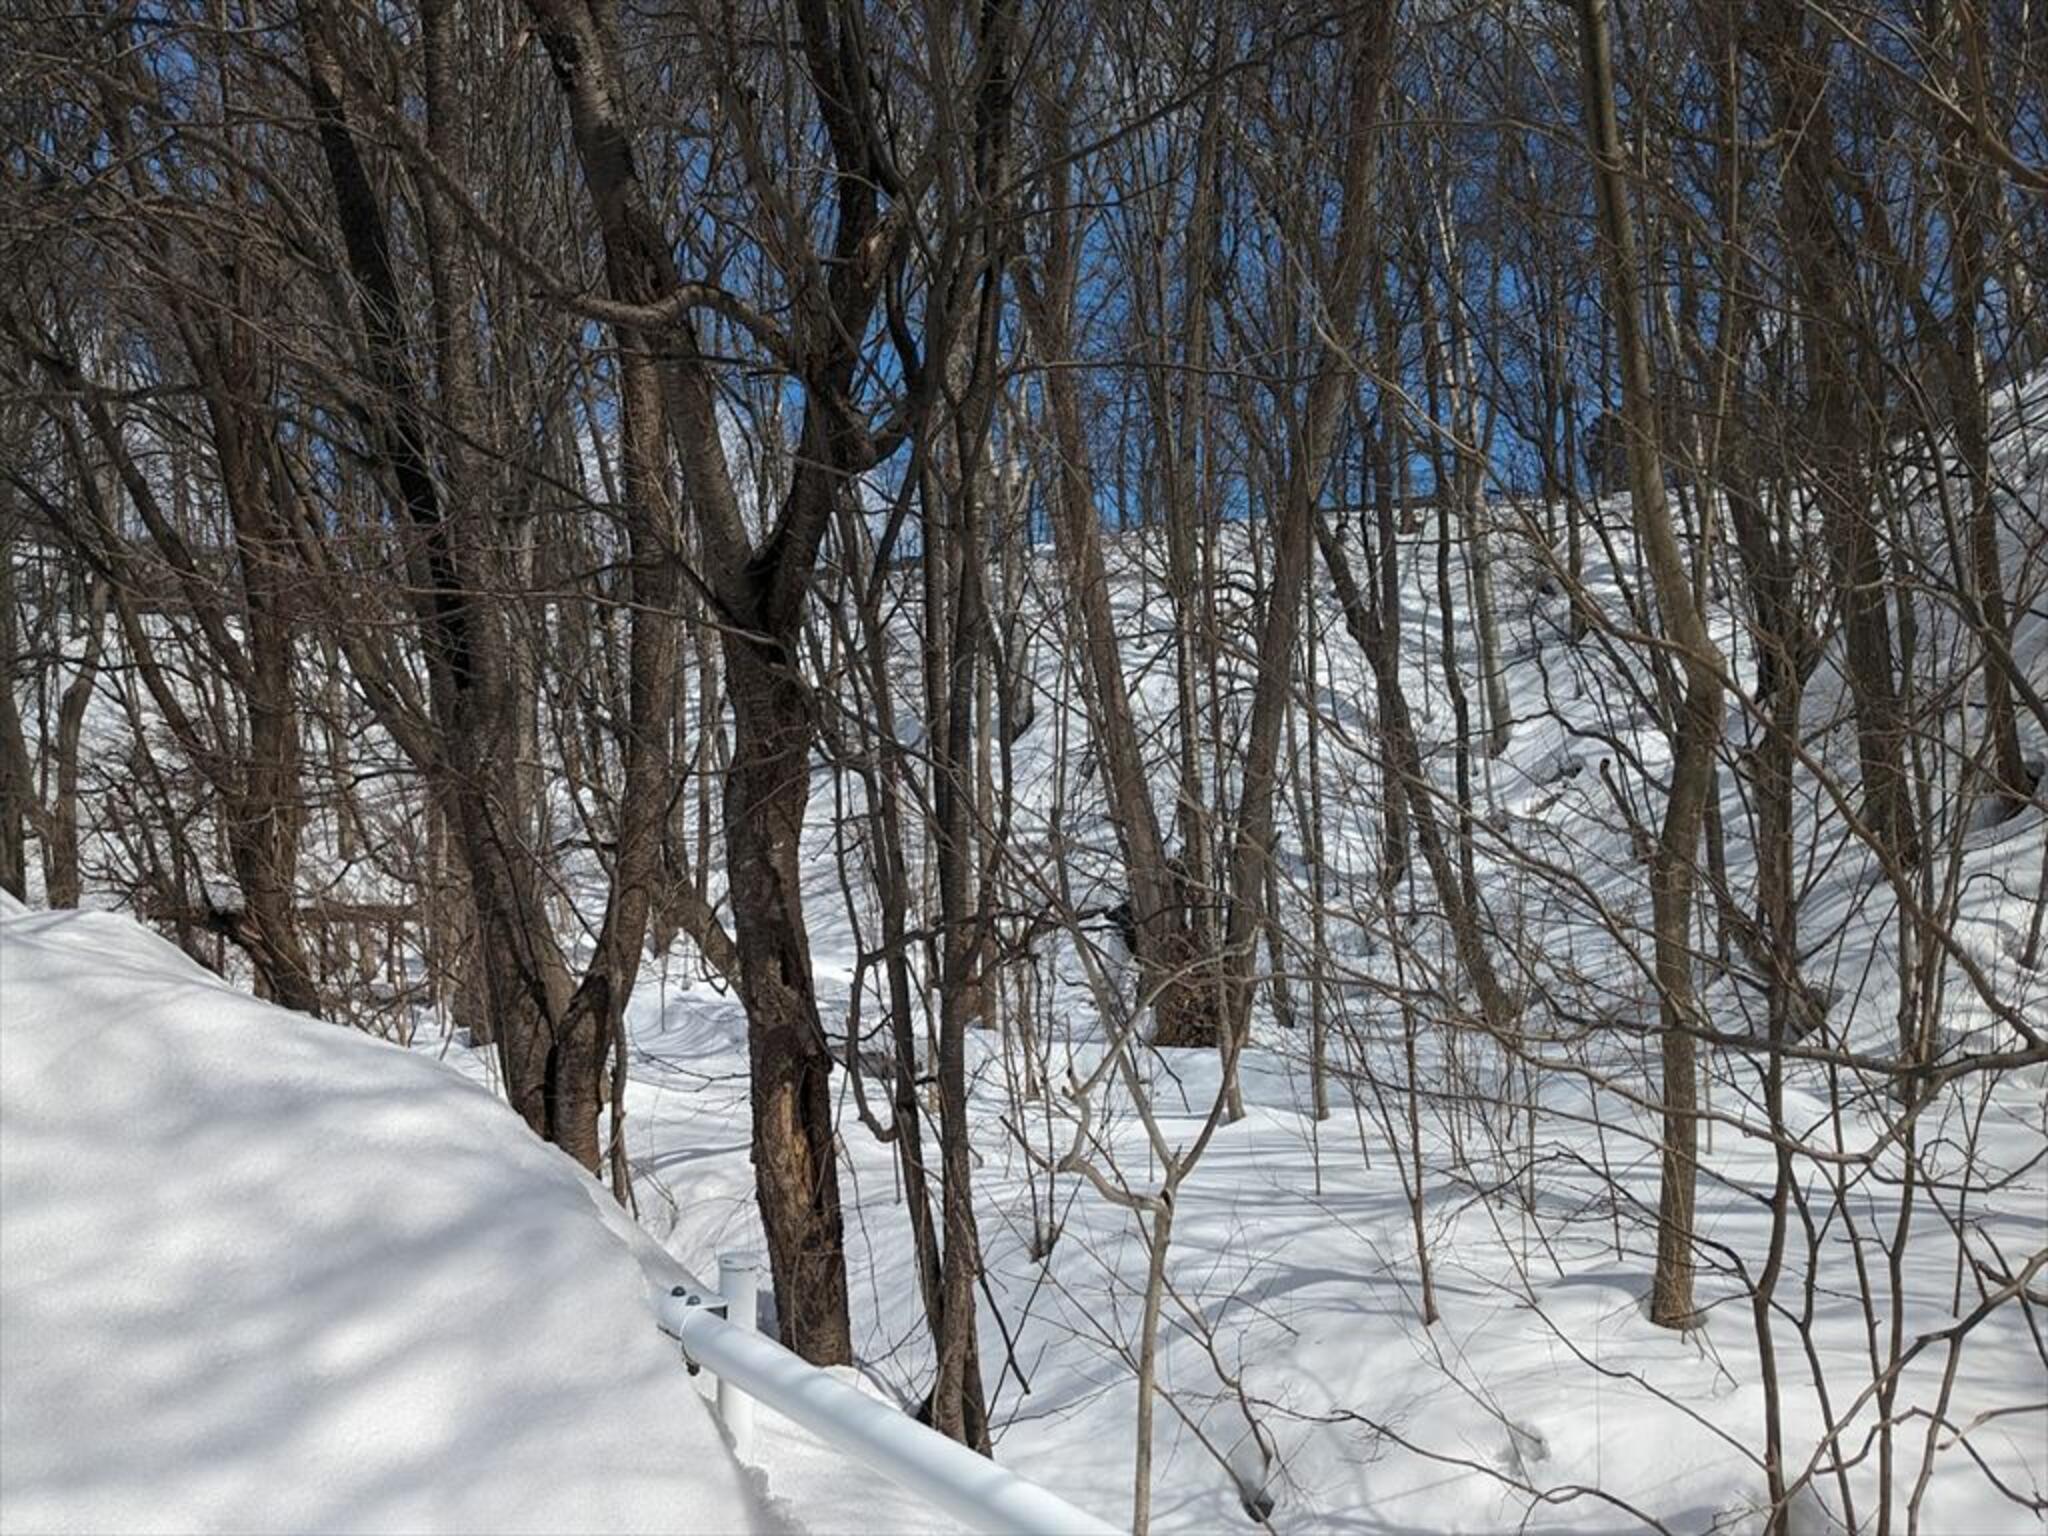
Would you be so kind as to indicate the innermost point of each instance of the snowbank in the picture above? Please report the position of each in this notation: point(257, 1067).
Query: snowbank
point(259, 1273)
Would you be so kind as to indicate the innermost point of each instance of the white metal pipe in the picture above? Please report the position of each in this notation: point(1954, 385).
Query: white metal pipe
point(737, 1283)
point(946, 1474)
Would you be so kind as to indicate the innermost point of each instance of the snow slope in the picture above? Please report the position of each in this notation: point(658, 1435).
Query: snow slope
point(258, 1273)
point(1293, 1360)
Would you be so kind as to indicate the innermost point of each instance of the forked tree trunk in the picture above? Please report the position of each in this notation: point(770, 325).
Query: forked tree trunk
point(1340, 293)
point(762, 591)
point(1839, 409)
point(1174, 973)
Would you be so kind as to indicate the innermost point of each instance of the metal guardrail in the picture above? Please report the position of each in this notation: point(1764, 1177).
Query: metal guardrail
point(717, 1332)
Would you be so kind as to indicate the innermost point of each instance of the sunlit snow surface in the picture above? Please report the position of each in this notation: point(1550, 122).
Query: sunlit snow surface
point(1542, 1401)
point(264, 1274)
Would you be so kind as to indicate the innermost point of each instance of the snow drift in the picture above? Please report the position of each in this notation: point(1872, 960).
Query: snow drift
point(261, 1273)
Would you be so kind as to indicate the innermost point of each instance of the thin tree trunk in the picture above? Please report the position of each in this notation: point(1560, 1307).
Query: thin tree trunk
point(1496, 1008)
point(63, 885)
point(1368, 71)
point(1172, 972)
point(1957, 29)
point(18, 800)
point(1841, 407)
point(1697, 730)
point(471, 747)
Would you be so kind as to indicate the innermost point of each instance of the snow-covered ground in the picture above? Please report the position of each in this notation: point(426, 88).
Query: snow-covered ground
point(1294, 1359)
point(262, 1274)
point(253, 1384)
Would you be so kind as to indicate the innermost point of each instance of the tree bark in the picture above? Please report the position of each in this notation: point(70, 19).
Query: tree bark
point(762, 592)
point(1368, 64)
point(1173, 971)
point(1841, 409)
point(1697, 730)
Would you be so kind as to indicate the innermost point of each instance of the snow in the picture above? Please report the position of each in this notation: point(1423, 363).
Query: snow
point(261, 1274)
point(256, 1250)
point(1293, 1354)
point(1293, 1263)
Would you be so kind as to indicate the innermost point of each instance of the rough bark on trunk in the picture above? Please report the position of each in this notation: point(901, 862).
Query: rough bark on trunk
point(762, 592)
point(794, 1154)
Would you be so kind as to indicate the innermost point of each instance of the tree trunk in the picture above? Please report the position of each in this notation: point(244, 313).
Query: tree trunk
point(18, 799)
point(469, 749)
point(1958, 32)
point(1496, 1007)
point(795, 1159)
point(763, 591)
point(1369, 69)
point(1840, 410)
point(63, 885)
point(1173, 973)
point(1697, 730)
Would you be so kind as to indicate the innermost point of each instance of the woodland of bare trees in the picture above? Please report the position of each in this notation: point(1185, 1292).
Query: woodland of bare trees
point(499, 496)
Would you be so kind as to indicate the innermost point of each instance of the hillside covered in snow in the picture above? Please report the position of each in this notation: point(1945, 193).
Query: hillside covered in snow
point(260, 1274)
point(1296, 749)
